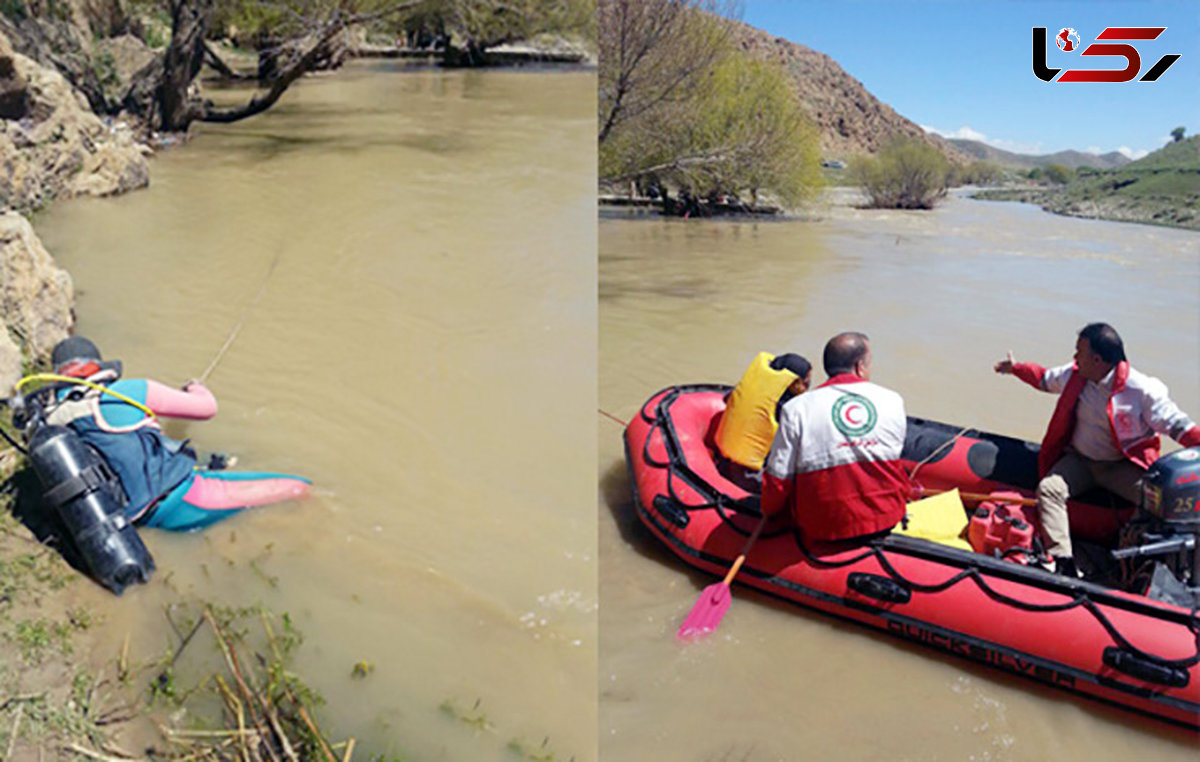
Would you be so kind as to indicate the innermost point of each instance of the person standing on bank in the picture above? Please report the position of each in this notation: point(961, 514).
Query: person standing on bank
point(835, 461)
point(1104, 431)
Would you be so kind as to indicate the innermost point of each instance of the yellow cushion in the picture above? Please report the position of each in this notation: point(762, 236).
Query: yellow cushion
point(940, 518)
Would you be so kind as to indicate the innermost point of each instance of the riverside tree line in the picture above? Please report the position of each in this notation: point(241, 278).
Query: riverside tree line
point(294, 37)
point(289, 37)
point(680, 106)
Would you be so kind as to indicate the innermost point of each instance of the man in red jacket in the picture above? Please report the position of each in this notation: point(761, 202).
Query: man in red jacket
point(835, 461)
point(1104, 430)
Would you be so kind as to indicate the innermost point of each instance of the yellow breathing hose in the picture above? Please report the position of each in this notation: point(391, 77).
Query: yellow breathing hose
point(83, 382)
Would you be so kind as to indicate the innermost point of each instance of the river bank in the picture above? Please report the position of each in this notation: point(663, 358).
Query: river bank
point(396, 562)
point(1166, 211)
point(1162, 211)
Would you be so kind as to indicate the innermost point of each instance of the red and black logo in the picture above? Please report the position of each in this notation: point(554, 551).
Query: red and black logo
point(1067, 40)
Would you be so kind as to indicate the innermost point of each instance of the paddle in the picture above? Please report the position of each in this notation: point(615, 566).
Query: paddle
point(709, 610)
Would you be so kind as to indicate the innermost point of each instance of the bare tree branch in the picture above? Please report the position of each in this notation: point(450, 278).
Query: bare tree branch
point(650, 50)
point(217, 63)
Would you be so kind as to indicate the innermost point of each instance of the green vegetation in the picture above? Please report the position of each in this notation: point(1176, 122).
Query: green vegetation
point(229, 668)
point(1058, 174)
point(978, 172)
point(14, 10)
point(1178, 156)
point(906, 174)
point(294, 37)
point(693, 114)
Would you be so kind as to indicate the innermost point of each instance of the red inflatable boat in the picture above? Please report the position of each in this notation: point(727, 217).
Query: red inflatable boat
point(1137, 651)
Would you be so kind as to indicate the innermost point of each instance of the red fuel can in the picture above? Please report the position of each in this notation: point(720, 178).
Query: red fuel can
point(999, 528)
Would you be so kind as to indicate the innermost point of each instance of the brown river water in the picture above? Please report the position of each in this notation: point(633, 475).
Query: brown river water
point(424, 350)
point(943, 295)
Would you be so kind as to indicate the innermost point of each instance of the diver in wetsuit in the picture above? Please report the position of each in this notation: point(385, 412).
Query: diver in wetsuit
point(164, 486)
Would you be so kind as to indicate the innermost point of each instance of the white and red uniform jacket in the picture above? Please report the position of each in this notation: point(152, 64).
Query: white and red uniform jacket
point(1138, 411)
point(835, 460)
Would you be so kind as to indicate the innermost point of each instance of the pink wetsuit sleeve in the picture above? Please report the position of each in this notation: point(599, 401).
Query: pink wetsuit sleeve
point(197, 402)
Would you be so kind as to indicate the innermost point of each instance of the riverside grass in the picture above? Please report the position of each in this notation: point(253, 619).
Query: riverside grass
point(54, 704)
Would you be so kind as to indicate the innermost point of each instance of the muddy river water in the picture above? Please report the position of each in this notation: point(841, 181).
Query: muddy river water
point(424, 350)
point(943, 296)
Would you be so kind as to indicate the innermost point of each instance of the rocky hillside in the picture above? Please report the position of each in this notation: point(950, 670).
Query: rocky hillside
point(850, 119)
point(1070, 159)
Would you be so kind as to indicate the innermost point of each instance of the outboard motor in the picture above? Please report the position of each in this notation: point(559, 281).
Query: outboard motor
point(79, 484)
point(1167, 529)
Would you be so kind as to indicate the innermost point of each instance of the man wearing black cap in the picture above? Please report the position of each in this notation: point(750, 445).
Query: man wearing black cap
point(751, 417)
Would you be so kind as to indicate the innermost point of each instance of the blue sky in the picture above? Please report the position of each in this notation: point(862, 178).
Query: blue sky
point(964, 69)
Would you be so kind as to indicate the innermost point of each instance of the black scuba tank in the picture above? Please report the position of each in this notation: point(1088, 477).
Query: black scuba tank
point(79, 484)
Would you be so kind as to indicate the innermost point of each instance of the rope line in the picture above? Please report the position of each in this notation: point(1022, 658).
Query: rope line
point(610, 416)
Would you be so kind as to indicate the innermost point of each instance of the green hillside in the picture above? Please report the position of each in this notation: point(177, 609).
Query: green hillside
point(1183, 155)
point(1171, 174)
point(1161, 188)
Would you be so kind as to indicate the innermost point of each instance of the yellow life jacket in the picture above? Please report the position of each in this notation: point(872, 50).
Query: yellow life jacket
point(746, 430)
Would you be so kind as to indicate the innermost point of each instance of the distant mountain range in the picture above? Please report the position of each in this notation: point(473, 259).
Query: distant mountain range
point(1072, 159)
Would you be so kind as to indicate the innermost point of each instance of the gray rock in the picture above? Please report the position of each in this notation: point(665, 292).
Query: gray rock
point(61, 149)
point(14, 91)
point(36, 296)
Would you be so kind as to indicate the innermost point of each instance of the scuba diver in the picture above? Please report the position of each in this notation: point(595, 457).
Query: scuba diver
point(164, 488)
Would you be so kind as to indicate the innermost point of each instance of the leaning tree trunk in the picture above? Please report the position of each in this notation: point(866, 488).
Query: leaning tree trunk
point(470, 55)
point(182, 62)
point(161, 89)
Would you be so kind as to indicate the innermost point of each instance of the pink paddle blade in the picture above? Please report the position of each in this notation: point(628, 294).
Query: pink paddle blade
point(706, 615)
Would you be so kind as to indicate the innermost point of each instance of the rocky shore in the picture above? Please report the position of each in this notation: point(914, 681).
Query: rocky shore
point(52, 146)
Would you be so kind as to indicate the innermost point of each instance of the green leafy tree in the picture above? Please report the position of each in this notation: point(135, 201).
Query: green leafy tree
point(471, 27)
point(981, 173)
point(906, 174)
point(1178, 133)
point(1059, 174)
point(729, 127)
point(741, 131)
point(749, 133)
